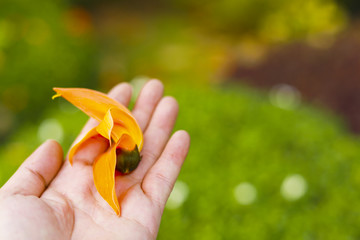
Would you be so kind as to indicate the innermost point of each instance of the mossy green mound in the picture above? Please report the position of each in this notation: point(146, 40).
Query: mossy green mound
point(239, 136)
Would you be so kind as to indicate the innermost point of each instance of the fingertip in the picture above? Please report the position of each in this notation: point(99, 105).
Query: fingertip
point(165, 114)
point(147, 101)
point(171, 102)
point(121, 87)
point(156, 83)
point(51, 146)
point(184, 135)
point(182, 139)
point(121, 93)
point(54, 148)
point(152, 91)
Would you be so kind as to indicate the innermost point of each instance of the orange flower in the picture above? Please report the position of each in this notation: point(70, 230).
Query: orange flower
point(115, 124)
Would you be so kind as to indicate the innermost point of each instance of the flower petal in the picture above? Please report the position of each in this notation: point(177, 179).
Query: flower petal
point(93, 132)
point(106, 126)
point(116, 132)
point(93, 103)
point(96, 105)
point(127, 143)
point(104, 177)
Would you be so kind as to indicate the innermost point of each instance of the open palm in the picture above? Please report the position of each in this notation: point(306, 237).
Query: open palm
point(46, 199)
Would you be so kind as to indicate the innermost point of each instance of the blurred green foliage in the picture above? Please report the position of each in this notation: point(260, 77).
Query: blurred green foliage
point(271, 20)
point(294, 18)
point(182, 40)
point(40, 47)
point(54, 43)
point(239, 136)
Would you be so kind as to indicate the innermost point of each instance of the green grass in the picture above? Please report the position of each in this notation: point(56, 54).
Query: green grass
point(239, 136)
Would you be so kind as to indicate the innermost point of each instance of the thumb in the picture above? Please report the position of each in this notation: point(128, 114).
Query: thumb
point(37, 171)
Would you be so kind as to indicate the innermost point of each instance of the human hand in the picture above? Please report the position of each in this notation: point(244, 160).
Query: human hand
point(46, 199)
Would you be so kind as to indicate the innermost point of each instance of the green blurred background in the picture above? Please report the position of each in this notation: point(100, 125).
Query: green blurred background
point(269, 159)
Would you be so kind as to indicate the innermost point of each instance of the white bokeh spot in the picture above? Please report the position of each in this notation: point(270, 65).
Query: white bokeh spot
point(137, 83)
point(178, 195)
point(293, 187)
point(245, 193)
point(285, 96)
point(50, 129)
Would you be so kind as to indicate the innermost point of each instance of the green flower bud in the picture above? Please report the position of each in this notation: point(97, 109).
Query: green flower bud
point(127, 161)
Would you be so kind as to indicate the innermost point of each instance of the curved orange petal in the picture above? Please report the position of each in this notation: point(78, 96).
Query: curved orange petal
point(96, 104)
point(106, 126)
point(104, 177)
point(93, 132)
point(118, 128)
point(126, 142)
point(134, 132)
point(118, 132)
point(93, 103)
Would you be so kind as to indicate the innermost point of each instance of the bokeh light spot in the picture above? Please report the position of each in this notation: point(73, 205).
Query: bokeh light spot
point(293, 187)
point(245, 193)
point(178, 195)
point(285, 96)
point(50, 129)
point(137, 84)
